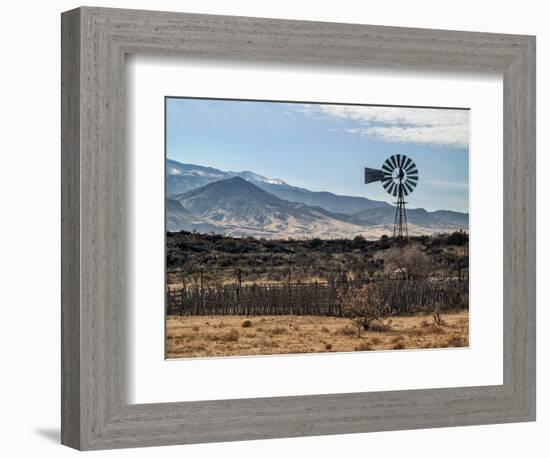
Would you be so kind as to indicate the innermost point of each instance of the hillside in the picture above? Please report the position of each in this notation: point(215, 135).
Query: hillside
point(240, 208)
point(243, 204)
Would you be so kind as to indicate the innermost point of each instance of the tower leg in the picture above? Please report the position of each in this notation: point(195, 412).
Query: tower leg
point(400, 228)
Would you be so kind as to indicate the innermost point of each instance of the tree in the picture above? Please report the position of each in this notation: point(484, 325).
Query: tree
point(364, 306)
point(410, 260)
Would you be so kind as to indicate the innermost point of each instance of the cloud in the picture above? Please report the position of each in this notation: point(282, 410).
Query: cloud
point(429, 126)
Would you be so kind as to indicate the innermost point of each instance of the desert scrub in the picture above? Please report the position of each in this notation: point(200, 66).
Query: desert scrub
point(364, 346)
point(230, 336)
point(277, 331)
point(347, 330)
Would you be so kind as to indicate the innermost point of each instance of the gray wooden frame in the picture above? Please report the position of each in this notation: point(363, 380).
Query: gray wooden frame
point(95, 413)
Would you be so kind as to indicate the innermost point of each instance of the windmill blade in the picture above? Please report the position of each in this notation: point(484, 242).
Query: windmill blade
point(408, 187)
point(398, 160)
point(396, 190)
point(373, 175)
point(387, 184)
point(393, 162)
point(391, 188)
point(411, 182)
point(386, 179)
point(407, 163)
point(410, 167)
point(410, 164)
point(412, 173)
point(386, 167)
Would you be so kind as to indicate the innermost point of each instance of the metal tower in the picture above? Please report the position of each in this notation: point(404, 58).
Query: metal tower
point(399, 177)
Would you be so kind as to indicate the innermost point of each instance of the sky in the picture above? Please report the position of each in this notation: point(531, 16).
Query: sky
point(325, 147)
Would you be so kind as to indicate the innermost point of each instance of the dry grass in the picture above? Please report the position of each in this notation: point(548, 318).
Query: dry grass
point(196, 336)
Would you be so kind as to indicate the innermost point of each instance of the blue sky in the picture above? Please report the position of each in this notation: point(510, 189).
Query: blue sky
point(326, 147)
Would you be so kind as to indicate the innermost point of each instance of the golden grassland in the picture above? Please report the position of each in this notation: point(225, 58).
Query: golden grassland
point(215, 336)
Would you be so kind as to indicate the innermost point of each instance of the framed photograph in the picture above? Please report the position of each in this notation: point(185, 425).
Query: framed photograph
point(257, 265)
point(279, 228)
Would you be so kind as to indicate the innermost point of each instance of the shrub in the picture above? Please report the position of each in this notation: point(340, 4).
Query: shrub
point(434, 329)
point(246, 324)
point(410, 260)
point(436, 315)
point(364, 346)
point(230, 336)
point(277, 331)
point(347, 330)
point(328, 346)
point(364, 306)
point(456, 340)
point(396, 340)
point(376, 326)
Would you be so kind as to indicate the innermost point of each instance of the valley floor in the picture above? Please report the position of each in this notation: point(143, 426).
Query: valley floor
point(215, 336)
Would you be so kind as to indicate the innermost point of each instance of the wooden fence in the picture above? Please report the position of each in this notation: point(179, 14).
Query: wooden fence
point(314, 298)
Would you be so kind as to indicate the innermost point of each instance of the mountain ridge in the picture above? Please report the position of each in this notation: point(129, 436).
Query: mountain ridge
point(240, 208)
point(237, 207)
point(182, 177)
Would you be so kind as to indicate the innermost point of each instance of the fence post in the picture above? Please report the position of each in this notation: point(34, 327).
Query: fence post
point(289, 274)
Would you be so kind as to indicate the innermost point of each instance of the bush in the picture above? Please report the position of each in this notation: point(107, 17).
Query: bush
point(347, 330)
point(230, 336)
point(410, 261)
point(364, 306)
point(436, 315)
point(376, 326)
point(246, 324)
point(277, 331)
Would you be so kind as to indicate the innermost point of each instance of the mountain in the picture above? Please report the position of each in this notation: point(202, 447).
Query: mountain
point(239, 208)
point(185, 177)
point(453, 218)
point(248, 204)
point(179, 219)
point(441, 220)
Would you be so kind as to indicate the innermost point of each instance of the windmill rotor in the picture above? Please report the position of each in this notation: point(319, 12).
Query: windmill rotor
point(399, 177)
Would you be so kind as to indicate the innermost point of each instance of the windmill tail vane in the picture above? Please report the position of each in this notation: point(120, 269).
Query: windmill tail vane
point(399, 177)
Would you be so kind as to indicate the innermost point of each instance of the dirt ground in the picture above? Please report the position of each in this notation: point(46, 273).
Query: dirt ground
point(207, 336)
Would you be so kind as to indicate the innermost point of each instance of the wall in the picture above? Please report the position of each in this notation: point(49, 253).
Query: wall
point(29, 233)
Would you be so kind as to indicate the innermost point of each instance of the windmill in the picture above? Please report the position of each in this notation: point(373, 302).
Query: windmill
point(399, 177)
